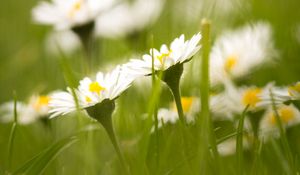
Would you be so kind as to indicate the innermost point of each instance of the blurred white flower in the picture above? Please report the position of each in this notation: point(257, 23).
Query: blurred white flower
point(294, 91)
point(236, 53)
point(288, 114)
point(180, 51)
point(62, 41)
point(127, 18)
point(65, 14)
point(36, 108)
point(190, 106)
point(228, 147)
point(235, 99)
point(91, 92)
point(280, 95)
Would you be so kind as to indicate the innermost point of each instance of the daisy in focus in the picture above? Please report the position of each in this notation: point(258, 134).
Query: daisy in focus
point(66, 14)
point(289, 116)
point(190, 105)
point(236, 53)
point(179, 52)
point(36, 108)
point(91, 92)
point(128, 18)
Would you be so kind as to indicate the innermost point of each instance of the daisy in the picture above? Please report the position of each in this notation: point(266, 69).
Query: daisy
point(236, 53)
point(190, 105)
point(234, 100)
point(97, 97)
point(66, 14)
point(36, 108)
point(91, 92)
point(288, 114)
point(294, 91)
point(128, 18)
point(180, 51)
point(65, 41)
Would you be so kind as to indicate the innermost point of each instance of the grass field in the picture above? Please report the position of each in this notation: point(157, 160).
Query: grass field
point(239, 108)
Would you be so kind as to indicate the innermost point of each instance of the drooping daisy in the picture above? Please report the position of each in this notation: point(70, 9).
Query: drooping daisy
point(289, 116)
point(66, 14)
point(236, 53)
point(180, 51)
point(128, 18)
point(36, 108)
point(91, 92)
point(190, 105)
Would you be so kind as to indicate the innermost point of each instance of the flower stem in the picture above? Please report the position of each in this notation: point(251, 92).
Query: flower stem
point(172, 79)
point(283, 138)
point(12, 132)
point(102, 112)
point(85, 34)
point(205, 124)
point(239, 142)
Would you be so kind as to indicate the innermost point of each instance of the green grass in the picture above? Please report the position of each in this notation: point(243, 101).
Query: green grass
point(76, 144)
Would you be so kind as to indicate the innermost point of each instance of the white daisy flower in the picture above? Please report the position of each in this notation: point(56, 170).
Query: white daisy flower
point(235, 53)
point(288, 114)
point(234, 100)
point(280, 95)
point(180, 51)
point(228, 147)
point(35, 109)
point(127, 18)
point(190, 106)
point(294, 91)
point(91, 92)
point(65, 41)
point(66, 14)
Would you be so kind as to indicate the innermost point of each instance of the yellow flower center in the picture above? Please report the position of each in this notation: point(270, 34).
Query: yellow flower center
point(41, 101)
point(230, 62)
point(251, 98)
point(296, 88)
point(186, 104)
point(88, 99)
point(96, 87)
point(286, 114)
point(75, 8)
point(162, 57)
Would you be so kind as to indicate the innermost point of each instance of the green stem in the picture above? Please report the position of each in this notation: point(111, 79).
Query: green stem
point(155, 111)
point(12, 132)
point(239, 142)
point(110, 132)
point(283, 138)
point(102, 112)
point(204, 88)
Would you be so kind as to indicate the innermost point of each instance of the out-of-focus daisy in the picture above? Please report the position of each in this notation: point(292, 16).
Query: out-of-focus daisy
point(128, 18)
point(66, 14)
point(294, 91)
point(228, 147)
point(91, 92)
point(65, 41)
point(235, 99)
point(288, 114)
point(190, 105)
point(236, 53)
point(36, 108)
point(180, 51)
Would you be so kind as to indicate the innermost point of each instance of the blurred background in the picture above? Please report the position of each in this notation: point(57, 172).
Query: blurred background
point(27, 66)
